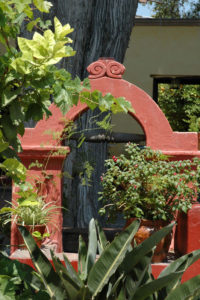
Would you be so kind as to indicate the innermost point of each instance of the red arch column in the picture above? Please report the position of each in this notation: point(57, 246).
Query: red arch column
point(51, 188)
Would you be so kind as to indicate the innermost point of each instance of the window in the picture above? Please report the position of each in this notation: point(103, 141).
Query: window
point(179, 99)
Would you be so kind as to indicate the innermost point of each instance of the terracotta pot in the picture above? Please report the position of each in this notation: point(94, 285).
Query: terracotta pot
point(31, 229)
point(146, 229)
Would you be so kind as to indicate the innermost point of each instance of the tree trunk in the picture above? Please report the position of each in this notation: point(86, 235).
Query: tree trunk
point(102, 28)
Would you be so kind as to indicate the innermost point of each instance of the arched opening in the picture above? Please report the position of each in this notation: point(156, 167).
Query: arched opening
point(127, 129)
point(85, 165)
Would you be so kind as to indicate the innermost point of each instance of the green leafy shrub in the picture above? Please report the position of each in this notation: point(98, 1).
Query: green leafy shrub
point(146, 184)
point(181, 106)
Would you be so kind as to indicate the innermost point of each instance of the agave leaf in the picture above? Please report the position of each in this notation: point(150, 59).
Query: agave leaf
point(41, 295)
point(140, 274)
point(84, 294)
point(102, 240)
point(180, 264)
point(61, 269)
point(134, 256)
point(110, 259)
point(148, 275)
point(92, 248)
point(130, 285)
point(148, 289)
point(7, 288)
point(121, 295)
point(50, 278)
point(82, 255)
point(187, 290)
point(72, 272)
point(4, 210)
point(113, 288)
point(71, 286)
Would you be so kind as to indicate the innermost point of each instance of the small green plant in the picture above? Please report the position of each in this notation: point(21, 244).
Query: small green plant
point(30, 208)
point(147, 184)
point(118, 272)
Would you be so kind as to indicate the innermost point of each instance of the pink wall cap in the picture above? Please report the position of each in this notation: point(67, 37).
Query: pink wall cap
point(182, 153)
point(105, 67)
point(46, 151)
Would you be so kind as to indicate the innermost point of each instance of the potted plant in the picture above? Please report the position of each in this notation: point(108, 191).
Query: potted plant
point(148, 185)
point(31, 211)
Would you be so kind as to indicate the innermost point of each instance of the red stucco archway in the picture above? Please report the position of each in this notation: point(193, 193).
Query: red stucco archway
point(106, 76)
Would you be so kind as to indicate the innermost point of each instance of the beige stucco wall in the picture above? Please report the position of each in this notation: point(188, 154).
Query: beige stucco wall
point(162, 50)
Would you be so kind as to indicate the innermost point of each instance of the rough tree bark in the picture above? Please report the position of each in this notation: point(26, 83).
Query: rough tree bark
point(102, 29)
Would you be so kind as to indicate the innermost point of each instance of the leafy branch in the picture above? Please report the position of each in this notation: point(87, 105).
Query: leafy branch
point(29, 76)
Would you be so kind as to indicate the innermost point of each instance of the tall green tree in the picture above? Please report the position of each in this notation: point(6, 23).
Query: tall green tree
point(168, 9)
point(176, 9)
point(194, 11)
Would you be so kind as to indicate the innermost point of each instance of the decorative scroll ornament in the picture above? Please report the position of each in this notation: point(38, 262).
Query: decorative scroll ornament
point(105, 67)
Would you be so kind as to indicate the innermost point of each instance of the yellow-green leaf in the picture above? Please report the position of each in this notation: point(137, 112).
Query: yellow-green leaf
point(61, 31)
point(43, 6)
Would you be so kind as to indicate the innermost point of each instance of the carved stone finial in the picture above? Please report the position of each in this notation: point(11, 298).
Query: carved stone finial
point(105, 67)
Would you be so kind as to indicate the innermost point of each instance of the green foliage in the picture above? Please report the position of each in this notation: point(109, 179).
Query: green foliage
point(30, 208)
point(86, 174)
point(29, 76)
point(106, 123)
point(43, 50)
point(120, 271)
point(18, 281)
point(146, 184)
point(170, 9)
point(14, 169)
point(181, 106)
point(40, 236)
point(11, 166)
point(194, 12)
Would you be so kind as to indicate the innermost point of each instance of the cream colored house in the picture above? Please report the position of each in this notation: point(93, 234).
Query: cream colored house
point(161, 50)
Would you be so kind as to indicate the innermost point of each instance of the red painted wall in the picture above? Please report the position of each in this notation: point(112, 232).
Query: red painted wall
point(106, 76)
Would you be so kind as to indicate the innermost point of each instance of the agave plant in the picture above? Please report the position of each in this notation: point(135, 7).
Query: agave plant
point(119, 272)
